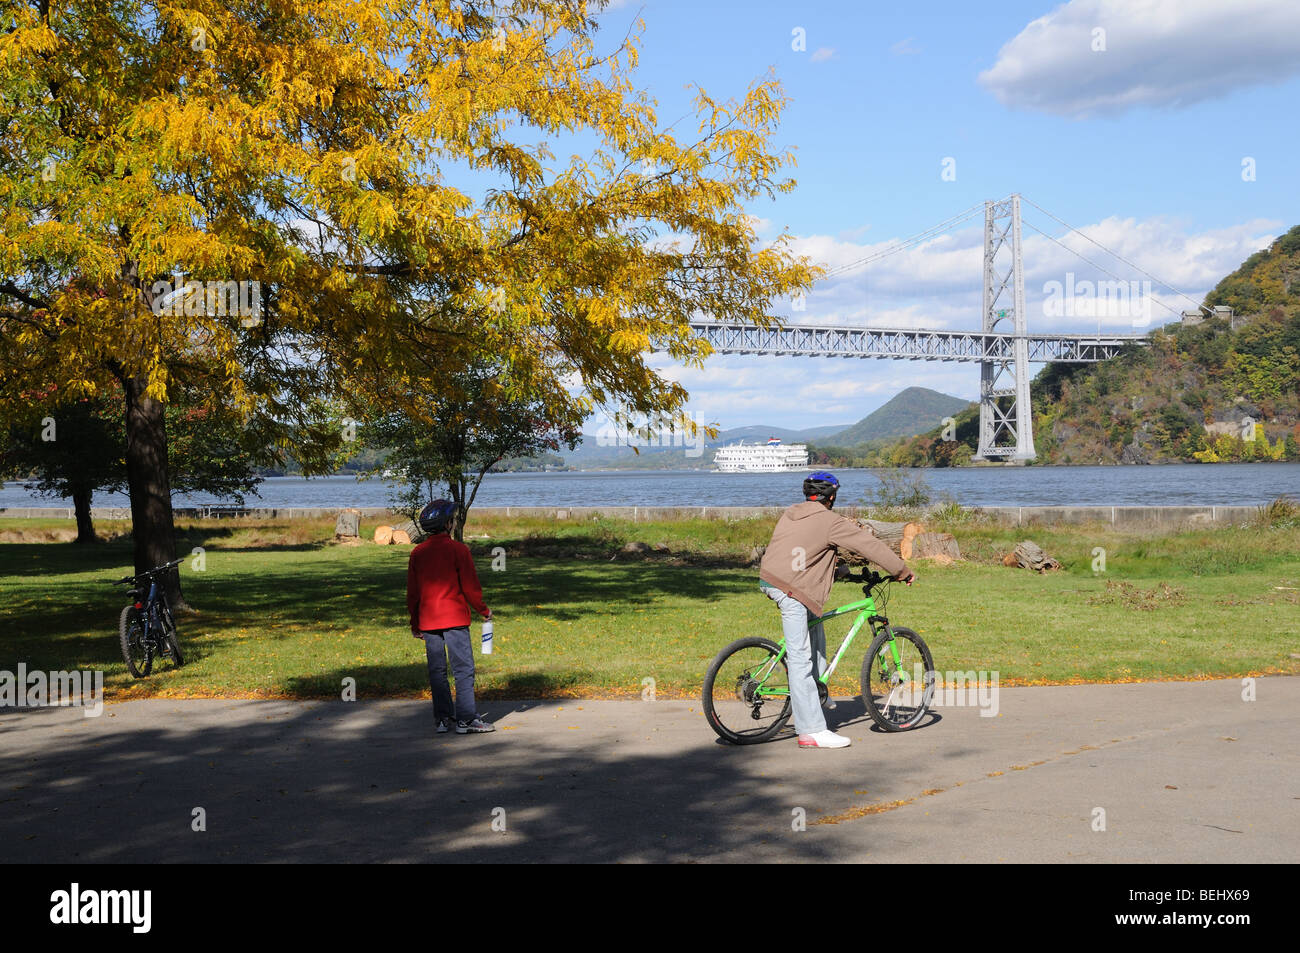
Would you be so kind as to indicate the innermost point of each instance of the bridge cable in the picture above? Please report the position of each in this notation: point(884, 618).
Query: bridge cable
point(1115, 254)
point(1097, 266)
point(905, 243)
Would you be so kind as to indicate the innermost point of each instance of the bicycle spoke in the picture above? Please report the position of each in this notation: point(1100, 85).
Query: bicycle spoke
point(898, 679)
point(747, 692)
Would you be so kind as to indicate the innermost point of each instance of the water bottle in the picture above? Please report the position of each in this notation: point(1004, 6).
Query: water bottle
point(487, 637)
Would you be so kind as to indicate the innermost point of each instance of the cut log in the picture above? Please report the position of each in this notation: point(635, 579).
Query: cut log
point(412, 530)
point(899, 537)
point(383, 535)
point(401, 538)
point(929, 545)
point(1010, 560)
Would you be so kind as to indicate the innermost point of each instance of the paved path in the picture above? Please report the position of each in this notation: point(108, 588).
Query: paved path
point(1183, 771)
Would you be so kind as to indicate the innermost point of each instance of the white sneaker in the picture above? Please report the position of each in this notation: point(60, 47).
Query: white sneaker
point(824, 739)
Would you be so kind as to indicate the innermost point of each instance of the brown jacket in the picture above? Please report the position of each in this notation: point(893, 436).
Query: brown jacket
point(800, 560)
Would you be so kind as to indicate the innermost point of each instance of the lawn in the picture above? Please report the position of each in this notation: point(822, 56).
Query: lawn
point(283, 611)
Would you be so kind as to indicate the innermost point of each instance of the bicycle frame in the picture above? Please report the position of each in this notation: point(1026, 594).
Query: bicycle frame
point(155, 629)
point(866, 610)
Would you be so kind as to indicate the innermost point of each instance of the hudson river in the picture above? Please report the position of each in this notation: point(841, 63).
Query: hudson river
point(1222, 484)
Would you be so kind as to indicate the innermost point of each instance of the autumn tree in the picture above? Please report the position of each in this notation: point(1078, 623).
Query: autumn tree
point(355, 159)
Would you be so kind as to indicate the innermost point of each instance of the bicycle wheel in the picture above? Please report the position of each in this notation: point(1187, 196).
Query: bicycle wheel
point(135, 648)
point(747, 692)
point(897, 690)
point(170, 641)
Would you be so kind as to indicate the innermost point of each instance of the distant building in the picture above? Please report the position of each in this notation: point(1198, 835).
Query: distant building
point(1220, 311)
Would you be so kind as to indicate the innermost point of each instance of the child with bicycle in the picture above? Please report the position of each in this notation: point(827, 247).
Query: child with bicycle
point(796, 572)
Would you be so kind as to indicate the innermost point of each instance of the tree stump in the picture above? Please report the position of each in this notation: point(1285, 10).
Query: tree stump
point(899, 537)
point(401, 538)
point(383, 535)
point(1031, 556)
point(932, 545)
point(348, 524)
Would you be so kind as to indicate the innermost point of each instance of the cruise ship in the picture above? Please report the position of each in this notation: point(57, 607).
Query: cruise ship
point(770, 457)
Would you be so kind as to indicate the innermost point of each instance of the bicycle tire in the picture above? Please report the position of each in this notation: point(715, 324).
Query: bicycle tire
point(885, 710)
point(169, 633)
point(131, 634)
point(734, 688)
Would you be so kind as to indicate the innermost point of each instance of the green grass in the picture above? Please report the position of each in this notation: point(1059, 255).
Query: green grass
point(284, 612)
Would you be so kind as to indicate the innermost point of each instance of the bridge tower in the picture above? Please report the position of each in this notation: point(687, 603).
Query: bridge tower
point(1006, 418)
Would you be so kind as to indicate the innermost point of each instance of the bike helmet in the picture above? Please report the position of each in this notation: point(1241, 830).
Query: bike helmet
point(436, 517)
point(820, 486)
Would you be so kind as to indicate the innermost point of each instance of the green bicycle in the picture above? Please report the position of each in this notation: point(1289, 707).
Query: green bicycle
point(747, 688)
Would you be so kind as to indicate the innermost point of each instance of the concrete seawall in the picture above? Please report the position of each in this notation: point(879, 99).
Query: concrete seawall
point(1015, 515)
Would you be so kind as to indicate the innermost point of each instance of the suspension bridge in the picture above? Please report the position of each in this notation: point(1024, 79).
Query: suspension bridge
point(1003, 346)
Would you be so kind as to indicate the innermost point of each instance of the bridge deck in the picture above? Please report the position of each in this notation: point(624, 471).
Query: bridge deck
point(812, 340)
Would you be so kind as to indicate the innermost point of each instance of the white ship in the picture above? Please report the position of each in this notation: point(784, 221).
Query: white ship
point(770, 457)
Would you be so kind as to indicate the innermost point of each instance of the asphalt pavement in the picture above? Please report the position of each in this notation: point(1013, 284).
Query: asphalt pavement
point(1149, 773)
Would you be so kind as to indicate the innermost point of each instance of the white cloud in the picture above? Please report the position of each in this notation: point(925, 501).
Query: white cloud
point(823, 53)
point(1156, 53)
point(905, 48)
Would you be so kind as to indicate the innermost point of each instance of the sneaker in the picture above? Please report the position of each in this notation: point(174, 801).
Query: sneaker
point(824, 739)
point(444, 725)
point(477, 726)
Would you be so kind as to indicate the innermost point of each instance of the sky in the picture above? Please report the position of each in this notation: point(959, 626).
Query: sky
point(1165, 130)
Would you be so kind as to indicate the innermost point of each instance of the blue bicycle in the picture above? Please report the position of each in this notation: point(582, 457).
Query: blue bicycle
point(146, 627)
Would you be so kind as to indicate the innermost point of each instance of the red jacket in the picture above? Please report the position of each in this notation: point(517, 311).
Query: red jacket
point(441, 585)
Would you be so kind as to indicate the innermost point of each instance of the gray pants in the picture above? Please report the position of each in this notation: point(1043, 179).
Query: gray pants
point(805, 658)
point(438, 644)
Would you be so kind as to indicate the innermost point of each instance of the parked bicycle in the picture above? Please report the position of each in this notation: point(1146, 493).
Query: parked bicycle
point(747, 689)
point(146, 627)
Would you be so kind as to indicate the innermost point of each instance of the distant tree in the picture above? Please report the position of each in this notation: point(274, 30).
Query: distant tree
point(451, 442)
point(74, 449)
point(70, 451)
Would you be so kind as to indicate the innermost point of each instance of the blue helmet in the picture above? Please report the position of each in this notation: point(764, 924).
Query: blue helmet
point(436, 517)
point(820, 486)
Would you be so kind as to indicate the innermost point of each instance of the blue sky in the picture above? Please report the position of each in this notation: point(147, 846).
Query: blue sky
point(1137, 135)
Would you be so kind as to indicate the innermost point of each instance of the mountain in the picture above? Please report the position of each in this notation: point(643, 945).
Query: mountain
point(910, 412)
point(760, 432)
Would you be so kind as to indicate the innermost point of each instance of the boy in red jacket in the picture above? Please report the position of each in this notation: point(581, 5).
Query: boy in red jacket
point(441, 586)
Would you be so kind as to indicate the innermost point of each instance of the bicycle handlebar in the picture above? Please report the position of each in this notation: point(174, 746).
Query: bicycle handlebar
point(150, 573)
point(869, 577)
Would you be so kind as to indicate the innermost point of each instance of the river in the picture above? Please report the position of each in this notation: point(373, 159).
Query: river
point(1220, 484)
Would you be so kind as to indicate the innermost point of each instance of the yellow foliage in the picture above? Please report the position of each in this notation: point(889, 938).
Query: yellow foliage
point(314, 148)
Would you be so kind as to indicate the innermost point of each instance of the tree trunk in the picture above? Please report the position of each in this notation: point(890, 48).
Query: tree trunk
point(81, 505)
point(152, 529)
